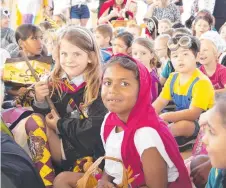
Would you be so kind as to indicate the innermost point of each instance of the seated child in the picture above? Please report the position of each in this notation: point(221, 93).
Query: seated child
point(122, 43)
point(210, 45)
point(160, 46)
point(103, 35)
point(190, 90)
point(164, 25)
point(74, 86)
point(134, 29)
point(215, 139)
point(29, 39)
point(143, 50)
point(133, 133)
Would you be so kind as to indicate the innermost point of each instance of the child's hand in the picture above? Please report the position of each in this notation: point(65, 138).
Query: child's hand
point(41, 91)
point(22, 90)
point(200, 173)
point(52, 119)
point(104, 184)
point(114, 13)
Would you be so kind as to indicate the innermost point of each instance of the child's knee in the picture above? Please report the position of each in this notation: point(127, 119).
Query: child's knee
point(33, 122)
point(59, 181)
point(66, 179)
point(198, 160)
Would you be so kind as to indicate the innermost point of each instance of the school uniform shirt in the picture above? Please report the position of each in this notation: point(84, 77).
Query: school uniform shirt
point(218, 79)
point(215, 178)
point(202, 93)
point(145, 138)
point(79, 137)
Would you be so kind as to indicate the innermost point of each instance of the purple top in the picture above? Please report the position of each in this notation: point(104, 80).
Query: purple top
point(154, 84)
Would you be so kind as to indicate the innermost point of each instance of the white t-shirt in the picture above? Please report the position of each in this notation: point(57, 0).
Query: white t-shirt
point(144, 138)
point(60, 6)
point(78, 2)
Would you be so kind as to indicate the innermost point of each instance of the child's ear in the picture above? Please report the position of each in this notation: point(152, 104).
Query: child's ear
point(129, 50)
point(21, 44)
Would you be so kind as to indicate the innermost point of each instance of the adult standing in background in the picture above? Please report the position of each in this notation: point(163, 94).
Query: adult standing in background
point(79, 13)
point(163, 9)
point(62, 7)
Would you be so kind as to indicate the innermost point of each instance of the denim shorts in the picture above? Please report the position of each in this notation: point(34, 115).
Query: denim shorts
point(79, 12)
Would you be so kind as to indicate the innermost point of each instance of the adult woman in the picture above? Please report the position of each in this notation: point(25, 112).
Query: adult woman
point(162, 9)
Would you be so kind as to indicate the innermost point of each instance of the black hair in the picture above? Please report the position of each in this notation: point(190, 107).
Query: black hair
point(24, 31)
point(126, 37)
point(177, 25)
point(181, 31)
point(125, 62)
point(195, 44)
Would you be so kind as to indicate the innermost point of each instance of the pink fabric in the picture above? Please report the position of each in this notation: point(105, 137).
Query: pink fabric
point(144, 115)
point(218, 79)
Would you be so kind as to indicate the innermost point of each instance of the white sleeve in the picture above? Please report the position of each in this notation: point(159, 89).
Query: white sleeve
point(148, 137)
point(102, 130)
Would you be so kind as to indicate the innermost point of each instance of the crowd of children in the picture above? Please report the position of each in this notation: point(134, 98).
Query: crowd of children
point(140, 95)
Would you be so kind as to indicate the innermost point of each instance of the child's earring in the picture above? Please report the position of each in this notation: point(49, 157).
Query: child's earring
point(20, 44)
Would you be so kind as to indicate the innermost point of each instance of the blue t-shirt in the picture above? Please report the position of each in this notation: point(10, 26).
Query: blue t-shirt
point(167, 70)
point(215, 178)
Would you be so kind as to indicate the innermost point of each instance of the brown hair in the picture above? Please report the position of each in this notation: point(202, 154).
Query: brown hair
point(147, 43)
point(105, 30)
point(207, 18)
point(84, 39)
point(220, 105)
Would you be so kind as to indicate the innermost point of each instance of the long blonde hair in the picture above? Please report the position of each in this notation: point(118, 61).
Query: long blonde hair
point(82, 38)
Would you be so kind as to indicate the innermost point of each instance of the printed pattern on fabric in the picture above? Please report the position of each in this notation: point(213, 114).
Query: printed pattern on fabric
point(171, 12)
point(39, 148)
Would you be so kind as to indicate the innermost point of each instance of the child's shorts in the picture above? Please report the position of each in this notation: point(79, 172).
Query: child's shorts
point(79, 12)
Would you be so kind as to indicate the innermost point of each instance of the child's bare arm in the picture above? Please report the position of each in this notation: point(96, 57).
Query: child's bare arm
point(221, 90)
point(155, 171)
point(162, 80)
point(190, 114)
point(159, 104)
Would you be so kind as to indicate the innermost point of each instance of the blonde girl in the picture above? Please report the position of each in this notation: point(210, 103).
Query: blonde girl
point(74, 89)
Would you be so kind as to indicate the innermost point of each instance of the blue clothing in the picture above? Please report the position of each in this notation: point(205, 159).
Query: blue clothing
point(80, 12)
point(215, 178)
point(105, 55)
point(182, 102)
point(167, 70)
